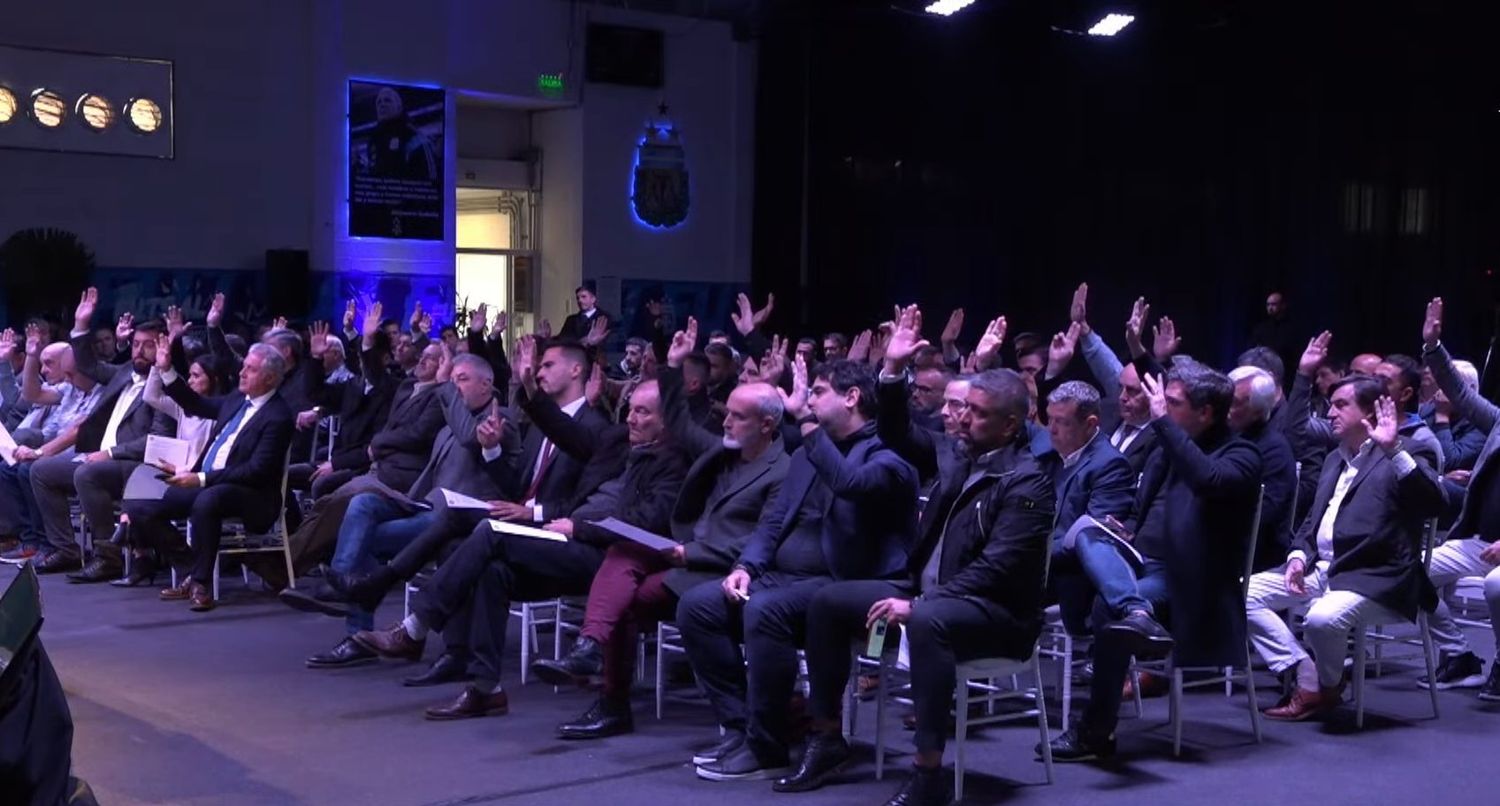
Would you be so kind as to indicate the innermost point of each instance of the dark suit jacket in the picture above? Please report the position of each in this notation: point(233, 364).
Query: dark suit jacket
point(644, 497)
point(1100, 483)
point(493, 351)
point(140, 420)
point(1484, 415)
point(994, 532)
point(729, 516)
point(404, 445)
point(1209, 488)
point(589, 451)
point(576, 326)
point(1279, 475)
point(1378, 531)
point(871, 515)
point(361, 415)
point(258, 457)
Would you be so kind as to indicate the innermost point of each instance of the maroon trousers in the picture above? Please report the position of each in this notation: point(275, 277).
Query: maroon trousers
point(629, 591)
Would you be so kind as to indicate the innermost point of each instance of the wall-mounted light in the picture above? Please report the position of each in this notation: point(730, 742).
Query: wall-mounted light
point(95, 112)
point(144, 115)
point(9, 106)
point(48, 108)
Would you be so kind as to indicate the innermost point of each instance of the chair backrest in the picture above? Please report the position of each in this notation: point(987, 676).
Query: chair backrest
point(1291, 513)
point(1260, 500)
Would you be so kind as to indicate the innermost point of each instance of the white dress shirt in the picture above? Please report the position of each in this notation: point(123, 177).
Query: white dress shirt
point(1404, 465)
point(127, 398)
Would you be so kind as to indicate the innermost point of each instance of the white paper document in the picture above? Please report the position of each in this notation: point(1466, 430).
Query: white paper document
point(460, 501)
point(1088, 522)
point(527, 531)
point(7, 446)
point(161, 451)
point(648, 539)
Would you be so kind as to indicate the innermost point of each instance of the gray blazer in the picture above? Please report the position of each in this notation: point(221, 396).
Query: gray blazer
point(457, 461)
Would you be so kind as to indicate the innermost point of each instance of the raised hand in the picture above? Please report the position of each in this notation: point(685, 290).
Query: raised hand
point(502, 321)
point(954, 327)
point(371, 325)
point(879, 340)
point(593, 390)
point(525, 359)
point(445, 363)
point(1135, 326)
point(34, 340)
point(125, 327)
point(544, 330)
point(317, 339)
point(416, 317)
point(796, 400)
point(859, 349)
point(164, 354)
point(1156, 394)
point(1432, 325)
point(905, 340)
point(765, 313)
point(598, 332)
point(744, 317)
point(84, 313)
point(1385, 434)
point(175, 325)
point(349, 316)
point(279, 323)
point(987, 352)
point(1164, 340)
point(7, 342)
point(424, 326)
point(215, 317)
point(1060, 352)
point(478, 317)
point(774, 363)
point(488, 432)
point(1078, 311)
point(683, 342)
point(1315, 354)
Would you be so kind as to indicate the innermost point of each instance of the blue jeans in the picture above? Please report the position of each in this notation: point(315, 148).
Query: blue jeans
point(1093, 564)
point(1112, 661)
point(374, 528)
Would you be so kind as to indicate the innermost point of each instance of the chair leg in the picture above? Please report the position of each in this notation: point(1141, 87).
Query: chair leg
point(1067, 679)
point(850, 717)
point(528, 639)
point(661, 676)
point(883, 674)
point(640, 657)
point(1176, 712)
point(960, 734)
point(1427, 655)
point(1359, 675)
point(1229, 681)
point(216, 577)
point(1135, 685)
point(1041, 719)
point(1251, 696)
point(286, 554)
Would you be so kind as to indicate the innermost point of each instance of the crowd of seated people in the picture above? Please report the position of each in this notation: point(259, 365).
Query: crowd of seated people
point(808, 491)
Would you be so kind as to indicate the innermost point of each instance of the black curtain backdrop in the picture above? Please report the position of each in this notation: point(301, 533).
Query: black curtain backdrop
point(1204, 158)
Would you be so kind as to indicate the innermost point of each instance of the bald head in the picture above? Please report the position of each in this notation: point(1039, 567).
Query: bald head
point(1365, 363)
point(752, 418)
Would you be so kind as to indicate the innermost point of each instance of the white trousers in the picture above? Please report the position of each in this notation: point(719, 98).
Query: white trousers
point(1452, 561)
point(1330, 616)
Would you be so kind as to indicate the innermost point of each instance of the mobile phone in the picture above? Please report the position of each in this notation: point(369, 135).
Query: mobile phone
point(876, 646)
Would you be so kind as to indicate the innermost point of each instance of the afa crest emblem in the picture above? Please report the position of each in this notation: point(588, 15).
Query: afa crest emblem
point(659, 193)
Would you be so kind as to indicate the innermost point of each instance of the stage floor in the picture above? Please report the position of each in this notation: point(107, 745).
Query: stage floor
point(176, 707)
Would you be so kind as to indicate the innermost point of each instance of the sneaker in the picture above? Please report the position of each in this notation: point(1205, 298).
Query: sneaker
point(1490, 692)
point(744, 765)
point(20, 555)
point(1457, 671)
point(1076, 744)
point(731, 742)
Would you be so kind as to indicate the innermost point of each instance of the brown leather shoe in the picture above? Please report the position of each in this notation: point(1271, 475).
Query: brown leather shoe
point(1305, 704)
point(391, 643)
point(472, 702)
point(202, 600)
point(178, 593)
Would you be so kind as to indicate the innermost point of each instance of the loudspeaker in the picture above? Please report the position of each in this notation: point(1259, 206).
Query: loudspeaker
point(616, 54)
point(288, 283)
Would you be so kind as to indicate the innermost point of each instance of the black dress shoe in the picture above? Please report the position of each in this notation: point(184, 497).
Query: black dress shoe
point(345, 654)
point(448, 668)
point(730, 743)
point(925, 787)
point(323, 599)
point(365, 591)
point(603, 718)
point(826, 754)
point(586, 660)
point(471, 703)
point(56, 562)
point(104, 567)
point(1146, 638)
point(1078, 744)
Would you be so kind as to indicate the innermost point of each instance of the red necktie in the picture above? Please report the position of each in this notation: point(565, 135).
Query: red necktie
point(548, 449)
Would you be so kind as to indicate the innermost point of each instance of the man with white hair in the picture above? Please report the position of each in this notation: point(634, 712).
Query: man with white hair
point(1255, 396)
point(1461, 439)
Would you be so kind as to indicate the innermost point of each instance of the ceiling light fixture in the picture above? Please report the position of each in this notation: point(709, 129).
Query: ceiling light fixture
point(1111, 24)
point(947, 7)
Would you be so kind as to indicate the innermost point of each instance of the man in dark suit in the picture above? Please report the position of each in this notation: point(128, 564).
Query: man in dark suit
point(112, 442)
point(577, 326)
point(1190, 525)
point(491, 569)
point(239, 475)
point(1358, 554)
point(974, 580)
point(732, 480)
point(1255, 396)
point(845, 511)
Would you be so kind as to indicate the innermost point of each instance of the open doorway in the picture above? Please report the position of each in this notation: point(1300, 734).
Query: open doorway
point(496, 254)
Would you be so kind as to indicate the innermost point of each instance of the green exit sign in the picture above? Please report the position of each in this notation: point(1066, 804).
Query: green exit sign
point(550, 84)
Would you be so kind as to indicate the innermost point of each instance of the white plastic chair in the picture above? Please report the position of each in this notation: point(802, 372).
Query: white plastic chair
point(1372, 629)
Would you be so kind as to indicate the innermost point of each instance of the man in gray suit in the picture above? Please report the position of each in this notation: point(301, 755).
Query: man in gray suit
point(111, 443)
point(731, 482)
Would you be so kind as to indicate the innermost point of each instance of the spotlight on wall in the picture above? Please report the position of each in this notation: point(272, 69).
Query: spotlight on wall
point(1111, 24)
point(144, 115)
point(9, 106)
point(947, 7)
point(95, 112)
point(48, 108)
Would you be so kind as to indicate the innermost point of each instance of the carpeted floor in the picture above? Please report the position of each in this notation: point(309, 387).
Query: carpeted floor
point(176, 707)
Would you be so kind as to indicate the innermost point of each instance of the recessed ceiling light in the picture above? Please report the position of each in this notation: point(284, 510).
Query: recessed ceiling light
point(144, 115)
point(95, 112)
point(9, 106)
point(48, 108)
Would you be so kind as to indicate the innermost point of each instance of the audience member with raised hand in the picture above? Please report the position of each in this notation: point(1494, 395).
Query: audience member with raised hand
point(578, 326)
point(1189, 526)
point(973, 582)
point(844, 511)
point(1256, 393)
point(1471, 549)
point(108, 444)
point(987, 351)
point(949, 338)
point(1357, 556)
